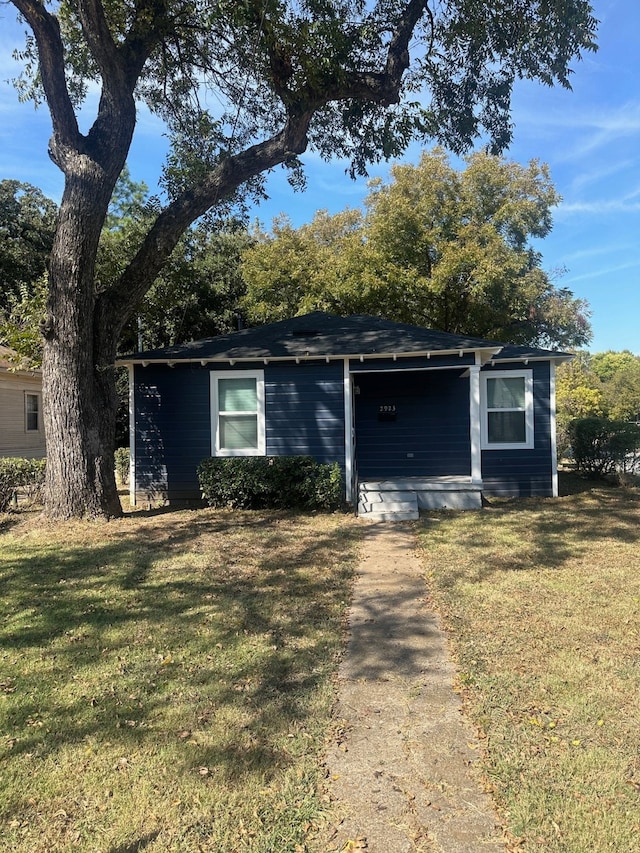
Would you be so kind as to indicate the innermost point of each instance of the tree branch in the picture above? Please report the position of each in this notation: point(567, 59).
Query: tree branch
point(46, 31)
point(381, 87)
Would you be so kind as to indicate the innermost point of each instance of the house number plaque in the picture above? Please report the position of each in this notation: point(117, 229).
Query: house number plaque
point(387, 412)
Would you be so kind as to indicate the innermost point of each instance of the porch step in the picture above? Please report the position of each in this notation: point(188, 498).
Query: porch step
point(392, 505)
point(376, 497)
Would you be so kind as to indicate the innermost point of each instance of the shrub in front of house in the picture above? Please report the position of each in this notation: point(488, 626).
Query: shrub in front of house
point(270, 482)
point(121, 462)
point(26, 475)
point(602, 447)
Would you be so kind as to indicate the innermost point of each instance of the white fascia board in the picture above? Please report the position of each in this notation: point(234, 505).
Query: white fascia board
point(490, 352)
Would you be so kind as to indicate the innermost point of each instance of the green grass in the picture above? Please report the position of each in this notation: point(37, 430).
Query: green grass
point(542, 602)
point(165, 680)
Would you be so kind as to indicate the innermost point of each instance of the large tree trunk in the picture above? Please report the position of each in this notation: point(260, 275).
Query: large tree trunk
point(78, 374)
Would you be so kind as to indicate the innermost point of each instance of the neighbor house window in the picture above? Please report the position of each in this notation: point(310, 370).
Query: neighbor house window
point(507, 411)
point(32, 412)
point(237, 400)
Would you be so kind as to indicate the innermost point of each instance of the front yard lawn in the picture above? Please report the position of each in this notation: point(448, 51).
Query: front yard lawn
point(165, 681)
point(542, 602)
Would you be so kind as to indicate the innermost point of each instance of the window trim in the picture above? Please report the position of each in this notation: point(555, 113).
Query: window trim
point(529, 442)
point(216, 450)
point(38, 411)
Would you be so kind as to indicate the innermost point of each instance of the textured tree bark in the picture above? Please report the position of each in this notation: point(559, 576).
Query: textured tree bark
point(78, 373)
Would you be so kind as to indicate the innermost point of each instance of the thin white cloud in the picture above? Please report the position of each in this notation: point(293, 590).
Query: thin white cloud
point(606, 272)
point(606, 171)
point(581, 130)
point(599, 207)
point(597, 251)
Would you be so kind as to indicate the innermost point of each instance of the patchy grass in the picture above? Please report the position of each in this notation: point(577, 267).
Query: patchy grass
point(542, 602)
point(165, 680)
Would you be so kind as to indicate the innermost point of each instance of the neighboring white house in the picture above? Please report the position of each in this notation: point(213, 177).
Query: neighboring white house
point(21, 425)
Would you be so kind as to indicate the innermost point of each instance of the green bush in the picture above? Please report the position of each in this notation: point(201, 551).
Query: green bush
point(121, 458)
point(24, 474)
point(602, 446)
point(275, 482)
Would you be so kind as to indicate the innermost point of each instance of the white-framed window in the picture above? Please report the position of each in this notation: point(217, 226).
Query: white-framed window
point(237, 413)
point(507, 410)
point(32, 412)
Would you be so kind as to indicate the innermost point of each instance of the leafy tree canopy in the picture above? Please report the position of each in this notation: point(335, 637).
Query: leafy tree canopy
point(439, 247)
point(27, 226)
point(605, 384)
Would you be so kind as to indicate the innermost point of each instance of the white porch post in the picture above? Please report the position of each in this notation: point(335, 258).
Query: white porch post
point(474, 422)
point(348, 432)
point(553, 427)
point(132, 438)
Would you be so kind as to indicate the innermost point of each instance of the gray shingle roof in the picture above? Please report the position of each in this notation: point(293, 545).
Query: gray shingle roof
point(322, 335)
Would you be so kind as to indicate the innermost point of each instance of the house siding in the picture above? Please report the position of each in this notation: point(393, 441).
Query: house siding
point(524, 473)
point(172, 431)
point(428, 432)
point(15, 441)
point(304, 409)
point(304, 414)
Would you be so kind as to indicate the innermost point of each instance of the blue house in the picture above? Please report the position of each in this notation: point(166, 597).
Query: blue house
point(414, 417)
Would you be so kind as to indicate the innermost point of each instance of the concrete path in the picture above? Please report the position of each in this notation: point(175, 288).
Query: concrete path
point(401, 770)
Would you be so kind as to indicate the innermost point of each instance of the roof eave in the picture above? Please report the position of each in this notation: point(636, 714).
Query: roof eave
point(486, 353)
point(555, 357)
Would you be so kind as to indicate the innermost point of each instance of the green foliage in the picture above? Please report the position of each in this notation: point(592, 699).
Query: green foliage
point(605, 384)
point(267, 61)
point(602, 446)
point(27, 226)
point(121, 458)
point(620, 376)
point(198, 292)
point(277, 482)
point(579, 394)
point(24, 474)
point(445, 249)
point(20, 323)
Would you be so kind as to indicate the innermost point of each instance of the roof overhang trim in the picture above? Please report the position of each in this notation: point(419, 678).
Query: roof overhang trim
point(557, 359)
point(486, 353)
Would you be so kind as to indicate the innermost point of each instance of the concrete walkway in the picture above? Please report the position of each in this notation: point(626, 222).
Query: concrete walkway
point(401, 769)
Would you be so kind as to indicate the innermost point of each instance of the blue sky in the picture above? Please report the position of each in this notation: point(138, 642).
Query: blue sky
point(590, 137)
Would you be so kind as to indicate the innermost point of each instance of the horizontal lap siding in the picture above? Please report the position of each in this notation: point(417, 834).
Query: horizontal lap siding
point(15, 441)
point(305, 410)
point(173, 430)
point(524, 473)
point(430, 435)
point(304, 414)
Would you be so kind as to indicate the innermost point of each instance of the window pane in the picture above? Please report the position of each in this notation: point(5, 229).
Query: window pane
point(32, 412)
point(238, 432)
point(237, 395)
point(507, 427)
point(505, 393)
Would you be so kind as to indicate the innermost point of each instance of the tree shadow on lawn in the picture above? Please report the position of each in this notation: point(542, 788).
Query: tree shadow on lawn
point(138, 643)
point(547, 531)
point(136, 846)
